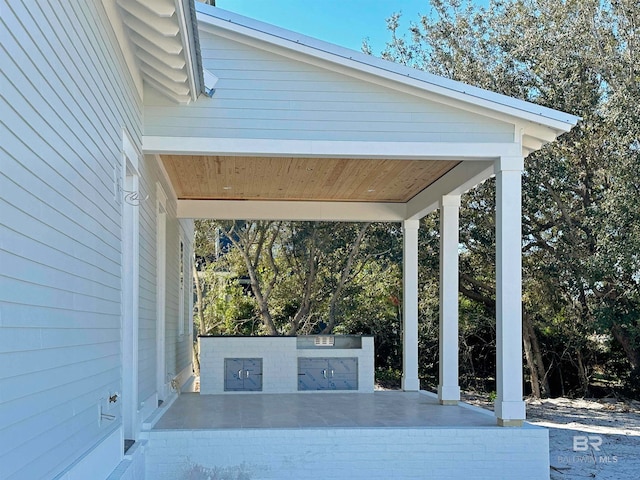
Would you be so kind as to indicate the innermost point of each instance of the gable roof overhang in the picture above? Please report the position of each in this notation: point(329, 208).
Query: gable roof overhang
point(162, 38)
point(352, 179)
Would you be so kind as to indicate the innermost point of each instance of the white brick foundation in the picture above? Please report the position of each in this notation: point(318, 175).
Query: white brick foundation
point(365, 453)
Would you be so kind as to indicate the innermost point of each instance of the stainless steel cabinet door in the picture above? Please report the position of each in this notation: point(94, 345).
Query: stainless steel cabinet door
point(242, 374)
point(327, 373)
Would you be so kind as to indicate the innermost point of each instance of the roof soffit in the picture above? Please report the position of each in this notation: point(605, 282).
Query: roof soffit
point(165, 43)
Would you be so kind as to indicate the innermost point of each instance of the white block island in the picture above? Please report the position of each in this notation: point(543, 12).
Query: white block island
point(275, 364)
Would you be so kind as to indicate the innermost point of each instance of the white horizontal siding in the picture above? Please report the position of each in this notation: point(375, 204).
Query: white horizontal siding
point(147, 290)
point(65, 97)
point(178, 355)
point(177, 349)
point(264, 95)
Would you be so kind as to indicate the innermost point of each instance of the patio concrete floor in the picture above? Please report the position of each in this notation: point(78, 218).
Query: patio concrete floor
point(386, 409)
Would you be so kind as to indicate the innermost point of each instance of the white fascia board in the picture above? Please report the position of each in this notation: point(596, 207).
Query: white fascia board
point(222, 20)
point(294, 211)
point(190, 43)
point(324, 148)
point(456, 182)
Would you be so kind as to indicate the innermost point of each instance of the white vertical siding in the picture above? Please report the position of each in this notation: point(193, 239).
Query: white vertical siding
point(264, 95)
point(65, 95)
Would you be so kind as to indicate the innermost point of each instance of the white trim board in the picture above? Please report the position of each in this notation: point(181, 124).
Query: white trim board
point(326, 148)
point(294, 211)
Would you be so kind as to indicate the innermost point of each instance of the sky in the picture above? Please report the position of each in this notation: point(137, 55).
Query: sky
point(343, 22)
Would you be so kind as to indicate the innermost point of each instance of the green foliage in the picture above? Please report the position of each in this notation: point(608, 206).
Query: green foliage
point(389, 378)
point(581, 208)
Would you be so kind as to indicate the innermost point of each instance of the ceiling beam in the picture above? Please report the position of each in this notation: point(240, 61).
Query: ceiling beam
point(261, 147)
point(456, 182)
point(294, 211)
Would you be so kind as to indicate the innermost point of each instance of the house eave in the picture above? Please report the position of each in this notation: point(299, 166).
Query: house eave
point(164, 38)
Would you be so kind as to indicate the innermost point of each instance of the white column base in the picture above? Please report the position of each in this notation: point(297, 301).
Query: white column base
point(510, 413)
point(448, 394)
point(410, 384)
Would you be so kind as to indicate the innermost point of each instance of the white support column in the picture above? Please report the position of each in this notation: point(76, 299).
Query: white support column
point(448, 388)
point(509, 405)
point(410, 380)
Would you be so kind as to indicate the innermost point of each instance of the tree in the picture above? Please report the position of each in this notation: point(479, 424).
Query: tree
point(299, 272)
point(580, 202)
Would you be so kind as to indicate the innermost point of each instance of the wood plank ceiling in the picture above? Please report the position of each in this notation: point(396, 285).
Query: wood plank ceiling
point(310, 179)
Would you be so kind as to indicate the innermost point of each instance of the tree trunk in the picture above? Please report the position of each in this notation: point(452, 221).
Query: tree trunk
point(627, 345)
point(582, 374)
point(244, 244)
point(543, 377)
point(305, 303)
point(344, 277)
point(202, 329)
point(539, 381)
point(633, 355)
point(263, 305)
point(528, 353)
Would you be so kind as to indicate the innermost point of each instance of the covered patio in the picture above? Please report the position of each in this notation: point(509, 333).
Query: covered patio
point(294, 128)
point(298, 129)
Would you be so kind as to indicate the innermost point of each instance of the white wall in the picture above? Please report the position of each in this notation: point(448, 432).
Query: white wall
point(65, 97)
point(264, 95)
point(177, 348)
point(360, 454)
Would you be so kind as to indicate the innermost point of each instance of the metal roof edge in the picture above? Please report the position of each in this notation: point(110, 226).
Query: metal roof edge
point(358, 59)
point(192, 44)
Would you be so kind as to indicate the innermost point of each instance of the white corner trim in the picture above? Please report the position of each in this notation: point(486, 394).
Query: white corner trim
point(130, 151)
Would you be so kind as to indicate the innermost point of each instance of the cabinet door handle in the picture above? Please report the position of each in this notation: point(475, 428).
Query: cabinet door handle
point(324, 373)
point(240, 373)
point(331, 373)
point(247, 373)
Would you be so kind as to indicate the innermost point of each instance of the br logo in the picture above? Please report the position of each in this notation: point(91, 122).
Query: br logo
point(581, 443)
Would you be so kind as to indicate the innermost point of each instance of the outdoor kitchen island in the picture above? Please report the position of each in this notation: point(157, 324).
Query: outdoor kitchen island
point(275, 364)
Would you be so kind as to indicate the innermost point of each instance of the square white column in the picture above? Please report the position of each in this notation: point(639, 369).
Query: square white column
point(509, 405)
point(448, 387)
point(410, 381)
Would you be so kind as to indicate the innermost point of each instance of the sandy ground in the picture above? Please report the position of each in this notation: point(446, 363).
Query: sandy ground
point(590, 438)
point(587, 438)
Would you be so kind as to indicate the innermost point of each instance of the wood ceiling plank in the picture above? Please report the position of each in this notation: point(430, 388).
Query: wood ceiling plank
point(317, 179)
